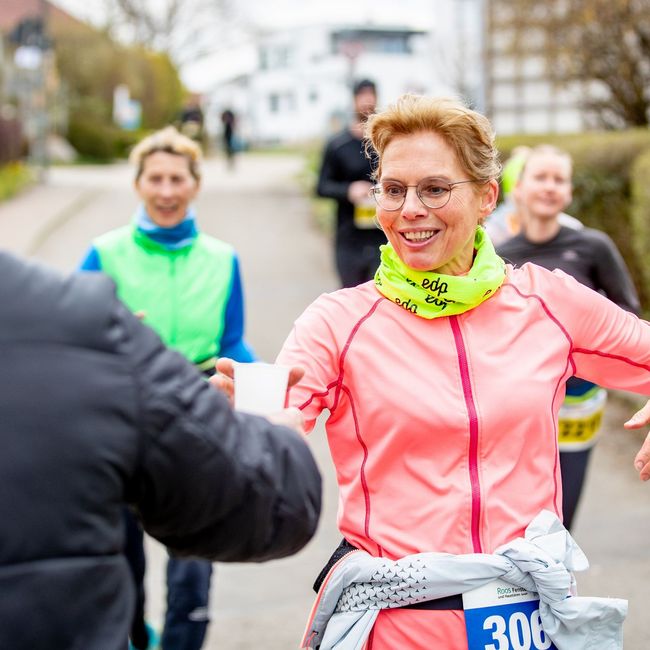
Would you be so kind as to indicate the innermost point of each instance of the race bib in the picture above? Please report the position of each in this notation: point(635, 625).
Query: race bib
point(364, 216)
point(502, 616)
point(580, 420)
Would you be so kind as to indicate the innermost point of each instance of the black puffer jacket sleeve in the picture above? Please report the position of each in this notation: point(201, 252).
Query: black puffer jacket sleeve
point(209, 481)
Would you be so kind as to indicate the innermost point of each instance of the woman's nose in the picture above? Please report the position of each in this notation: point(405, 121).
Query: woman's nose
point(413, 207)
point(166, 188)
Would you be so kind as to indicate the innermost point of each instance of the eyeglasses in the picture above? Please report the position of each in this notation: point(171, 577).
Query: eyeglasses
point(433, 192)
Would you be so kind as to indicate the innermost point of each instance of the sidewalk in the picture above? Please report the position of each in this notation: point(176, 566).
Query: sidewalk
point(28, 219)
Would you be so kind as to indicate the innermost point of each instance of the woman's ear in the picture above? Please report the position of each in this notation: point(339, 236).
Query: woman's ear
point(489, 196)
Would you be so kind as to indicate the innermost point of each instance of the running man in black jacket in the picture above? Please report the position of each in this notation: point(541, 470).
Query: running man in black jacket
point(345, 176)
point(94, 413)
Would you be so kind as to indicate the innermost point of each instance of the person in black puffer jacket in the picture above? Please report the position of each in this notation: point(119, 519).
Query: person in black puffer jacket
point(96, 413)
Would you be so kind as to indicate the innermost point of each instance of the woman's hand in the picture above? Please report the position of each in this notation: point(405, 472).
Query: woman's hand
point(642, 459)
point(224, 380)
point(290, 417)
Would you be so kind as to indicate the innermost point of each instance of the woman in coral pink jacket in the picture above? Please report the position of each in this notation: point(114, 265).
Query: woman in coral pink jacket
point(443, 376)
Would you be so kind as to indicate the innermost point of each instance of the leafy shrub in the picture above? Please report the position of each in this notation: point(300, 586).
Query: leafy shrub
point(98, 140)
point(92, 137)
point(640, 211)
point(14, 176)
point(91, 66)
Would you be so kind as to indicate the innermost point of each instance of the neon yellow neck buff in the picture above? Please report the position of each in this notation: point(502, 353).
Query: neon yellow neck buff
point(429, 294)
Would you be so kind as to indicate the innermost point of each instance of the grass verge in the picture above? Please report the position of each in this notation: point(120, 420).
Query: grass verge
point(14, 177)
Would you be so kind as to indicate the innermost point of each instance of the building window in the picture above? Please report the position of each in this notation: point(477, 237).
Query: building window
point(390, 44)
point(273, 57)
point(282, 102)
point(282, 57)
point(352, 43)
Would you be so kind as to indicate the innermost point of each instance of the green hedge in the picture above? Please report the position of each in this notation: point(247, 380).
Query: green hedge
point(640, 212)
point(98, 140)
point(14, 176)
point(611, 178)
point(91, 65)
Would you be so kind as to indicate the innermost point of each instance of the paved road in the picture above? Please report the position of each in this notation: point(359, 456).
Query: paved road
point(285, 264)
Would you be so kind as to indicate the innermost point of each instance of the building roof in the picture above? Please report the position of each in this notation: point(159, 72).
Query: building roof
point(12, 12)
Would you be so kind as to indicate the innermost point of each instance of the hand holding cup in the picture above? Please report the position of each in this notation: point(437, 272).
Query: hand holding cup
point(224, 380)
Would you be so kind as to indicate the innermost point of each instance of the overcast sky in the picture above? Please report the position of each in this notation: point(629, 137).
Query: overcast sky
point(202, 75)
point(274, 13)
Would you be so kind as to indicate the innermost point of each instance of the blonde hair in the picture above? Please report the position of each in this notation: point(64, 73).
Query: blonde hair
point(467, 132)
point(167, 140)
point(546, 149)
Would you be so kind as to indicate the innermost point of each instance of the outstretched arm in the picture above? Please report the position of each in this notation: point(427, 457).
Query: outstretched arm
point(211, 482)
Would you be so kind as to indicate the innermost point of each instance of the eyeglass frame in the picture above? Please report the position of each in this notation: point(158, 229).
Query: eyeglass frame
point(451, 185)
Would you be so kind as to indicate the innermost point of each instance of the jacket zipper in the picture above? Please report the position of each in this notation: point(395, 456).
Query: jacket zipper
point(463, 365)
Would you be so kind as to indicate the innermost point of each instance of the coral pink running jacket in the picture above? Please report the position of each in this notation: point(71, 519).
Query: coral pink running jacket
point(444, 432)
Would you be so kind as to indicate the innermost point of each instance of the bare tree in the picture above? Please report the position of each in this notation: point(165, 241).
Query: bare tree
point(604, 43)
point(187, 30)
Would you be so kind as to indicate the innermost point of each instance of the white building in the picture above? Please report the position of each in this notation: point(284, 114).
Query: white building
point(521, 93)
point(300, 89)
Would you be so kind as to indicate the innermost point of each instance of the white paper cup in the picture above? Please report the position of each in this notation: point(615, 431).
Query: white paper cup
point(260, 388)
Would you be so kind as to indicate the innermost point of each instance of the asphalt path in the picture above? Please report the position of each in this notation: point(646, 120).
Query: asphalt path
point(286, 262)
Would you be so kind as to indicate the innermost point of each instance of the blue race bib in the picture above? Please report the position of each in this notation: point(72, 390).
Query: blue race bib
point(502, 616)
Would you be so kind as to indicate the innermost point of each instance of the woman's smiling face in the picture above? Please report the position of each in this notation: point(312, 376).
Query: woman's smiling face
point(433, 239)
point(167, 187)
point(544, 188)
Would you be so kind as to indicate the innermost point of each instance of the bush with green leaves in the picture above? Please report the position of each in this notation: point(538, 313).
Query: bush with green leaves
point(14, 176)
point(91, 66)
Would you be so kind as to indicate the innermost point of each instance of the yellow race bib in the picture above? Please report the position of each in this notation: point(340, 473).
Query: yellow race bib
point(364, 216)
point(580, 421)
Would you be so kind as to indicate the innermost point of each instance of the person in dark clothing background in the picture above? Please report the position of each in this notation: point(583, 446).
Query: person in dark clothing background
point(229, 122)
point(191, 119)
point(542, 192)
point(96, 413)
point(345, 176)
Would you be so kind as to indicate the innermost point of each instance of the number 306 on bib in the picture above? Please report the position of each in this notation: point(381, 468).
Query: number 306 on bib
point(501, 616)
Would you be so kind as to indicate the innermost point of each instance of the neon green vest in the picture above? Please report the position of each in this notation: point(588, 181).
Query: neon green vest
point(182, 292)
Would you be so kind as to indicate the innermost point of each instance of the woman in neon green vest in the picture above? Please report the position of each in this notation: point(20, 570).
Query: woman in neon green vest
point(188, 288)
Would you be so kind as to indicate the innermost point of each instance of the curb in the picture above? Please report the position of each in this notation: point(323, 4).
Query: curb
point(58, 220)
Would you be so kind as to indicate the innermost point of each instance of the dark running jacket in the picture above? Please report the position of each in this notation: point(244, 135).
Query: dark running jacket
point(96, 412)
